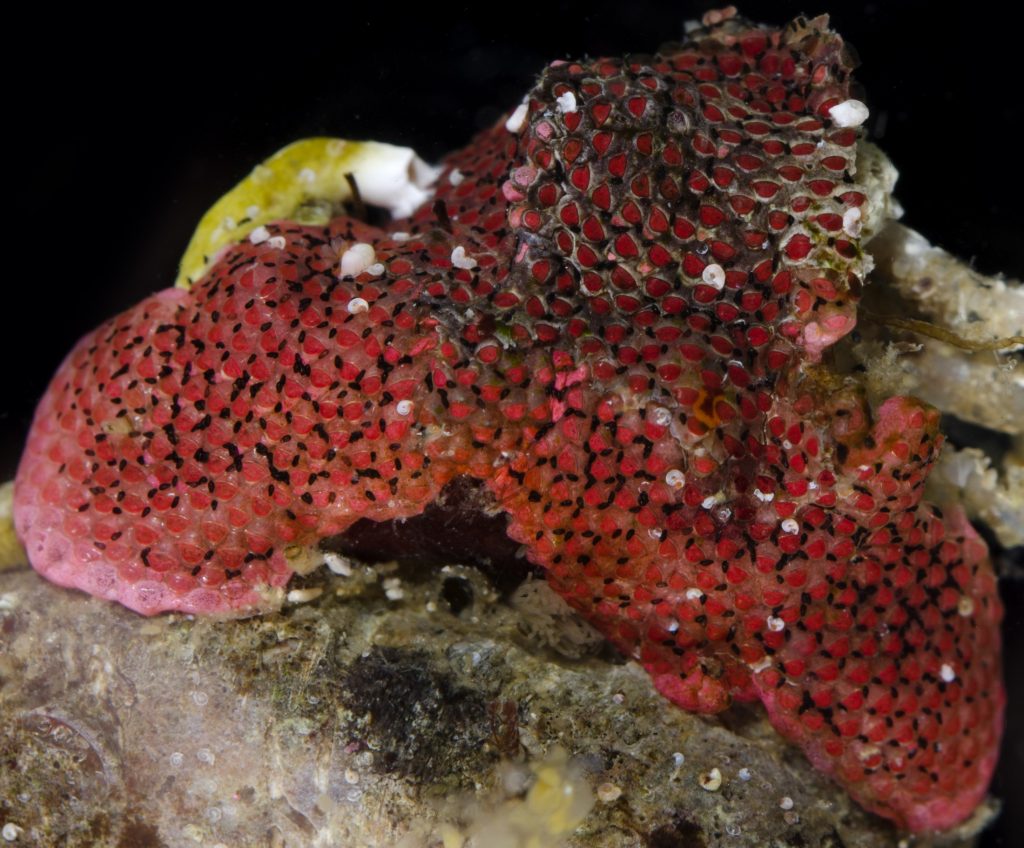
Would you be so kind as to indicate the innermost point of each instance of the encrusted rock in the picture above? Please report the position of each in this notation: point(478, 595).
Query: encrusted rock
point(353, 720)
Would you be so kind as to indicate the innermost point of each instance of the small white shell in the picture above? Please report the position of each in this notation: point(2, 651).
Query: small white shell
point(357, 259)
point(566, 103)
point(259, 235)
point(461, 260)
point(516, 120)
point(711, 781)
point(714, 276)
point(849, 113)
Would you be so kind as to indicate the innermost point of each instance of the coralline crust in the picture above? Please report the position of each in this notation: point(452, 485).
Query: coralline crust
point(611, 312)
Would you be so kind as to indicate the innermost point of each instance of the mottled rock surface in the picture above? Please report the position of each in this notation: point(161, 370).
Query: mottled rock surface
point(355, 720)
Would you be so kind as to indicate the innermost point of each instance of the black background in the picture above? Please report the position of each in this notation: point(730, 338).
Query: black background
point(127, 129)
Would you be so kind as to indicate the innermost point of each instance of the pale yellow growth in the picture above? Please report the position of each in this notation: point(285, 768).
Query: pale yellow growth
point(553, 808)
point(556, 803)
point(306, 182)
point(451, 836)
point(274, 190)
point(11, 551)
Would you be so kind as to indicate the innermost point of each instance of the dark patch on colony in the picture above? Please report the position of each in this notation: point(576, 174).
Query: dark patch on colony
point(457, 527)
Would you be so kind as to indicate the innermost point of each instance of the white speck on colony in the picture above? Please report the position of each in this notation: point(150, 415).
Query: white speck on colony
point(376, 269)
point(461, 260)
point(518, 117)
point(11, 832)
point(661, 416)
point(307, 175)
point(351, 776)
point(176, 759)
point(205, 755)
point(711, 781)
point(965, 606)
point(790, 526)
point(694, 594)
point(252, 211)
point(678, 758)
point(608, 793)
point(744, 774)
point(946, 673)
point(764, 497)
point(400, 236)
point(775, 624)
point(357, 259)
point(849, 113)
point(259, 235)
point(456, 177)
point(760, 665)
point(566, 103)
point(852, 223)
point(403, 407)
point(675, 478)
point(714, 276)
point(618, 698)
point(357, 305)
point(338, 564)
point(277, 242)
point(708, 502)
point(868, 752)
point(786, 803)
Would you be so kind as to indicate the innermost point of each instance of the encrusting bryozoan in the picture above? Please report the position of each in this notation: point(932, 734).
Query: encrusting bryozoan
point(612, 311)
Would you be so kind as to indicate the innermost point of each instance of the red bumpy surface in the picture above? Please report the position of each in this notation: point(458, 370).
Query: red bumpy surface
point(658, 262)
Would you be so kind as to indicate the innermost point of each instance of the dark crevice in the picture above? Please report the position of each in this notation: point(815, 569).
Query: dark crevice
point(459, 527)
